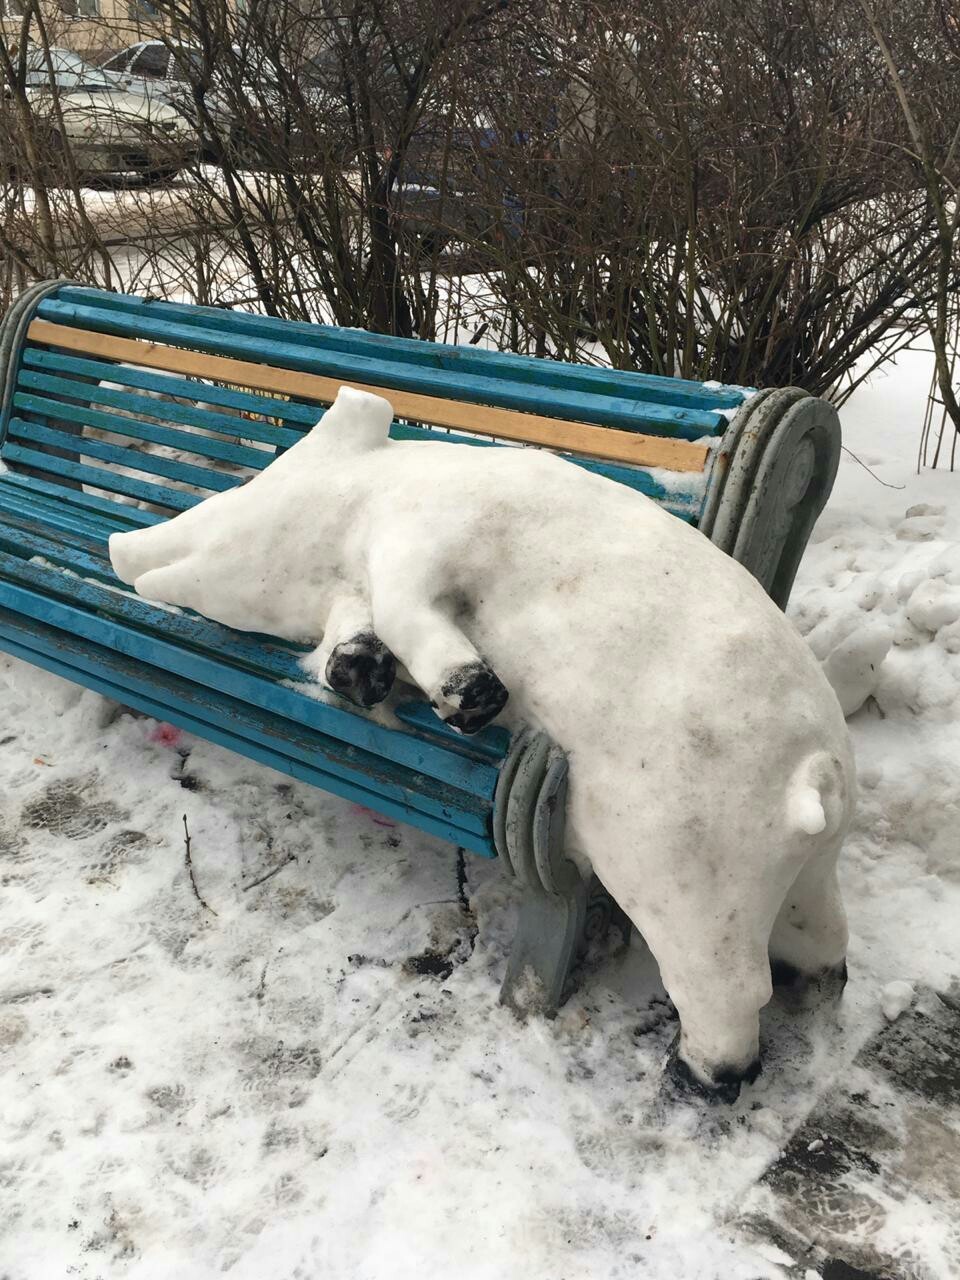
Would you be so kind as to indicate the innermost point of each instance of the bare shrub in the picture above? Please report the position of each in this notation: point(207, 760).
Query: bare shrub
point(680, 186)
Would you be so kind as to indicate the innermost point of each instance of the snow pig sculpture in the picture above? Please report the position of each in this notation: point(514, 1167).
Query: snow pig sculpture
point(711, 774)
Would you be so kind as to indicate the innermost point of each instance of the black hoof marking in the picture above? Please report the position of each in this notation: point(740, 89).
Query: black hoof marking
point(477, 693)
point(724, 1087)
point(361, 669)
point(805, 990)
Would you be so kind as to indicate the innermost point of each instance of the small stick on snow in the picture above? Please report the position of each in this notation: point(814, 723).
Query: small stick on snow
point(189, 864)
point(861, 462)
point(291, 857)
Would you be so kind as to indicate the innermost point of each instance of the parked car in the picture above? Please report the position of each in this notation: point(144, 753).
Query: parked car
point(244, 116)
point(108, 129)
point(166, 73)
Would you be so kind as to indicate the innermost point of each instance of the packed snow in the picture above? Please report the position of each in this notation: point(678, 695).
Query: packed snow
point(311, 1075)
point(608, 621)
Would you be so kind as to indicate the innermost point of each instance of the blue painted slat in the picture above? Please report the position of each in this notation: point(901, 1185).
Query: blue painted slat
point(65, 520)
point(632, 477)
point(402, 786)
point(684, 506)
point(241, 455)
point(178, 703)
point(75, 499)
point(625, 414)
point(302, 415)
point(490, 743)
point(393, 746)
point(83, 552)
point(448, 357)
point(100, 478)
point(23, 537)
point(120, 455)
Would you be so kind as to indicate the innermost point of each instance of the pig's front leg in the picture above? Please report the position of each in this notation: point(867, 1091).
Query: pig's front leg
point(466, 691)
point(352, 660)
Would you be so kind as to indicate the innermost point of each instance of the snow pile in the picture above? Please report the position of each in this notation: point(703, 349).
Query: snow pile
point(897, 638)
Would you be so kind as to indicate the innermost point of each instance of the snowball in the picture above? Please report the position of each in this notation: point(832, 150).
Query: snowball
point(896, 998)
point(921, 529)
point(924, 509)
point(907, 636)
point(870, 776)
point(947, 565)
point(933, 605)
point(870, 595)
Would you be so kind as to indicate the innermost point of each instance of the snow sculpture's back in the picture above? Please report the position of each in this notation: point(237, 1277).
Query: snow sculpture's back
point(711, 769)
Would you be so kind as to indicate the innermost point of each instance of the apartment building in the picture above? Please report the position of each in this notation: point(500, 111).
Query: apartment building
point(89, 27)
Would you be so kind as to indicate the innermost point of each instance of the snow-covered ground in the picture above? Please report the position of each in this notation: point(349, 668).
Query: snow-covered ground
point(280, 1088)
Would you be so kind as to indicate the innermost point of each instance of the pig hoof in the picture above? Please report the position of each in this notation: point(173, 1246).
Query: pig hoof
point(361, 669)
point(477, 694)
point(802, 990)
point(683, 1084)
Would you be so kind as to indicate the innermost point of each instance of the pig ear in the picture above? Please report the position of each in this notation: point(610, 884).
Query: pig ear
point(357, 420)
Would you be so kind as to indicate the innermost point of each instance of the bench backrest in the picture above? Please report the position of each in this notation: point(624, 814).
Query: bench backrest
point(236, 388)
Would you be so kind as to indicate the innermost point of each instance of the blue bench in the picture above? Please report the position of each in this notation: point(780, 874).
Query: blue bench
point(118, 411)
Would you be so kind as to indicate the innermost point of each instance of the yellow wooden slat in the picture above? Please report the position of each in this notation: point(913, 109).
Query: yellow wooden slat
point(504, 424)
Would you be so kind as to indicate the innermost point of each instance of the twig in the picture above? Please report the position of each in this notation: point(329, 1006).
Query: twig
point(188, 860)
point(885, 483)
point(291, 857)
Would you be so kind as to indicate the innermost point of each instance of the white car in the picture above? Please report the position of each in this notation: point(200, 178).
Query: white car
point(247, 115)
point(108, 129)
point(163, 73)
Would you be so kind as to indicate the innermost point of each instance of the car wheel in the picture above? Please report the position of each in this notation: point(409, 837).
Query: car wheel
point(160, 177)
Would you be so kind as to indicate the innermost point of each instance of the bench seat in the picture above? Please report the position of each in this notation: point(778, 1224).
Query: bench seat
point(117, 412)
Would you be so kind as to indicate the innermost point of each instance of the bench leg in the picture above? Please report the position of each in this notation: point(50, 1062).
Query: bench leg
point(561, 914)
point(603, 914)
point(549, 937)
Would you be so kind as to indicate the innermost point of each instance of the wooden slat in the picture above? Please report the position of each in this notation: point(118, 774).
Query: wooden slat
point(505, 424)
point(193, 418)
point(684, 505)
point(153, 323)
point(454, 359)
